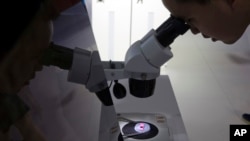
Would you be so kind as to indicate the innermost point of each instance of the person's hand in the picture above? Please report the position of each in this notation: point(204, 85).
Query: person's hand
point(28, 129)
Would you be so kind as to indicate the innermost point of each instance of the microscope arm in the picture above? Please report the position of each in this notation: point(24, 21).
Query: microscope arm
point(145, 57)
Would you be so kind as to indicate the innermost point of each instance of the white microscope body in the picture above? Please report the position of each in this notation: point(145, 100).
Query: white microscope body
point(142, 62)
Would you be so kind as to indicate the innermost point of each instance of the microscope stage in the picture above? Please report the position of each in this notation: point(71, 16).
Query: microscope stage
point(144, 126)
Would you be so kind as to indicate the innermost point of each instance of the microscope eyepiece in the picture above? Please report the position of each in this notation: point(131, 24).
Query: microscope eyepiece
point(170, 29)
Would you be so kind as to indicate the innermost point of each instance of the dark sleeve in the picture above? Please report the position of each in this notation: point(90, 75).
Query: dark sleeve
point(12, 108)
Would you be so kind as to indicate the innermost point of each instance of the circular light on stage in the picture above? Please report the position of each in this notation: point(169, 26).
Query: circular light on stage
point(142, 127)
point(140, 130)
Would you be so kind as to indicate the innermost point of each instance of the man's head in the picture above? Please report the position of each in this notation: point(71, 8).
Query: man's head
point(224, 20)
point(197, 1)
point(26, 40)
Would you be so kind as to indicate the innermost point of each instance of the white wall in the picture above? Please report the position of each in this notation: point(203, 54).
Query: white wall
point(110, 21)
point(118, 23)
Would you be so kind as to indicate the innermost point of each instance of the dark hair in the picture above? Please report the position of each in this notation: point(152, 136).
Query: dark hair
point(197, 1)
point(15, 19)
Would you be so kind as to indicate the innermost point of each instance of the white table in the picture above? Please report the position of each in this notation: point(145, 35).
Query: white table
point(161, 103)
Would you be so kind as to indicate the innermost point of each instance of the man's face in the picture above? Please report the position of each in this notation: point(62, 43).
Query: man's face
point(217, 19)
point(21, 63)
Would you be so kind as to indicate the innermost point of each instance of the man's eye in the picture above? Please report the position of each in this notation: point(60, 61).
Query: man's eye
point(189, 20)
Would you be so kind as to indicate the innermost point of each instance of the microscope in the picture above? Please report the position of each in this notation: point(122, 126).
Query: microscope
point(141, 65)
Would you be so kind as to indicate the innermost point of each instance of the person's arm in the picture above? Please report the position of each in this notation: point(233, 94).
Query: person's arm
point(12, 108)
